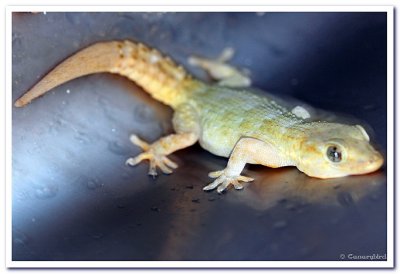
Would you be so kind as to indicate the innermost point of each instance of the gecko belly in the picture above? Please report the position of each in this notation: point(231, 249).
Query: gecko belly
point(216, 146)
point(218, 138)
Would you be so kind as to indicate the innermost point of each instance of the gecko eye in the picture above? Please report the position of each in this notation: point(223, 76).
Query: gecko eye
point(334, 154)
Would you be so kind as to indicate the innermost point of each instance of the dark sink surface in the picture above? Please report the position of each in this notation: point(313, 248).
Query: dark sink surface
point(74, 199)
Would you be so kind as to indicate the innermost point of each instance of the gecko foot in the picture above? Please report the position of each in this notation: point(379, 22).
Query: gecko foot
point(223, 180)
point(156, 160)
point(219, 70)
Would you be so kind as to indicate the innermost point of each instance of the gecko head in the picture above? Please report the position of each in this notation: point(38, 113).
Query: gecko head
point(333, 150)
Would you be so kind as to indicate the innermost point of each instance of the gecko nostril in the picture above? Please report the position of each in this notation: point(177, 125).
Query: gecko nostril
point(375, 162)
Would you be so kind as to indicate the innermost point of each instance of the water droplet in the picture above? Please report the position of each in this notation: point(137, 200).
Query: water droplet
point(93, 184)
point(97, 235)
point(121, 206)
point(304, 251)
point(143, 113)
point(117, 148)
point(280, 224)
point(334, 221)
point(290, 206)
point(22, 195)
point(19, 238)
point(345, 199)
point(370, 107)
point(294, 81)
point(82, 138)
point(73, 18)
point(374, 197)
point(45, 191)
point(54, 128)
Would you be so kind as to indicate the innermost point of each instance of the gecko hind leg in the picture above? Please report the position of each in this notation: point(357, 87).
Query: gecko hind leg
point(186, 125)
point(157, 152)
point(161, 161)
point(225, 74)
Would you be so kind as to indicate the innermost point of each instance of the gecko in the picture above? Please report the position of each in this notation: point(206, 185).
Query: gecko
point(225, 118)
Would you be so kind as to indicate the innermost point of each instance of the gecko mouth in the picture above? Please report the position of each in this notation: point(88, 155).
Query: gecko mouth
point(372, 165)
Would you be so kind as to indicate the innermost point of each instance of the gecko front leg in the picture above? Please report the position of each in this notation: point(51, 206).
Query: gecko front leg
point(246, 150)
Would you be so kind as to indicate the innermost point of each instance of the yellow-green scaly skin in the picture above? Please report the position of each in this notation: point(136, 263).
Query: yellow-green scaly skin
point(227, 114)
point(231, 122)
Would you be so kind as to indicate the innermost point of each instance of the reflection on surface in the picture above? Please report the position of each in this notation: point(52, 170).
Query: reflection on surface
point(280, 206)
point(276, 185)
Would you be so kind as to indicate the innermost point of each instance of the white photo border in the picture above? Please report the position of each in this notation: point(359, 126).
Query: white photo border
point(205, 264)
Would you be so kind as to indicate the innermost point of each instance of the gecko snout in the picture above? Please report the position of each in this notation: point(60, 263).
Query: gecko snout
point(375, 162)
point(371, 164)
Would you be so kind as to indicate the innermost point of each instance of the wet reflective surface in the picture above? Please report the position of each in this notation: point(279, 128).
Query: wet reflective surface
point(74, 199)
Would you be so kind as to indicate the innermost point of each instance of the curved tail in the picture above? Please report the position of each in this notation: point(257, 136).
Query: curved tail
point(157, 75)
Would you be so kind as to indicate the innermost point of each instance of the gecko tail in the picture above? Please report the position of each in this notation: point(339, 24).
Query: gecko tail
point(156, 74)
point(100, 57)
